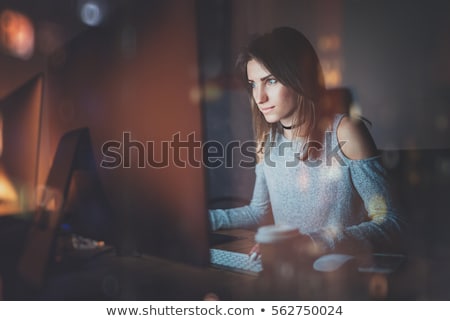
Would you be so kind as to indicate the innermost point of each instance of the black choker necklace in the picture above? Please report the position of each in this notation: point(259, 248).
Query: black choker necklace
point(286, 127)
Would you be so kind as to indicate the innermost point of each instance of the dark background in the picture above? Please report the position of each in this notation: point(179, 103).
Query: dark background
point(393, 56)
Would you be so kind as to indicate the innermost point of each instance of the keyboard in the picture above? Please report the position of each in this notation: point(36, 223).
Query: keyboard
point(235, 261)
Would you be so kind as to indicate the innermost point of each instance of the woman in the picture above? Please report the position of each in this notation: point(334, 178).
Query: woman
point(316, 170)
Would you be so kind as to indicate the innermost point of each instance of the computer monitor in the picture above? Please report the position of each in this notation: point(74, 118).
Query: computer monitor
point(20, 113)
point(136, 104)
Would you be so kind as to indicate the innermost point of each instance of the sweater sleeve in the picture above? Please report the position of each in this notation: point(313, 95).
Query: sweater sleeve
point(384, 226)
point(245, 216)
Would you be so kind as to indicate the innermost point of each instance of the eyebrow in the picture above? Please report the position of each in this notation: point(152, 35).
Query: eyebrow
point(263, 78)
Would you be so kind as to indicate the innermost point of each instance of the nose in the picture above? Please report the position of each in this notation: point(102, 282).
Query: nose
point(260, 95)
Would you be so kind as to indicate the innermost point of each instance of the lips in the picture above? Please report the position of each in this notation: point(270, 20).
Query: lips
point(265, 110)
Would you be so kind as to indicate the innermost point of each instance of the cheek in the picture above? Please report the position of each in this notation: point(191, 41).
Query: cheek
point(288, 97)
point(278, 93)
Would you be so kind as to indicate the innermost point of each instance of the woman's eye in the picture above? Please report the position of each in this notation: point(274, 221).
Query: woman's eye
point(272, 81)
point(252, 85)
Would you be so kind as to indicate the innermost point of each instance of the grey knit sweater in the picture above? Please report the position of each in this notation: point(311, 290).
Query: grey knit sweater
point(333, 199)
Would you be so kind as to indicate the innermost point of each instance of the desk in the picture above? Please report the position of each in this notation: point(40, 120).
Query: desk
point(111, 277)
point(245, 240)
point(152, 278)
point(347, 283)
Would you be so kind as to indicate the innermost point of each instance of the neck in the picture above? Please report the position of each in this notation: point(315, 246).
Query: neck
point(286, 127)
point(300, 133)
point(287, 132)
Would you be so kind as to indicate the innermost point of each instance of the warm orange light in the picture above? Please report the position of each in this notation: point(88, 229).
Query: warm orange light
point(9, 200)
point(329, 48)
point(378, 286)
point(329, 43)
point(1, 134)
point(16, 34)
point(333, 77)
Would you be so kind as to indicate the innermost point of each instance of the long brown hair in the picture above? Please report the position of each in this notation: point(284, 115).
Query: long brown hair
point(289, 56)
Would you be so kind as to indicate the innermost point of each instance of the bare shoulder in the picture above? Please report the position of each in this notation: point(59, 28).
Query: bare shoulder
point(355, 139)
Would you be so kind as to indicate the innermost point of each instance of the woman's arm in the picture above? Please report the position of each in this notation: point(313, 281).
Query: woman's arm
point(384, 225)
point(245, 216)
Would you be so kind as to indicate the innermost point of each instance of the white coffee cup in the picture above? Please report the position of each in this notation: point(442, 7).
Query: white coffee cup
point(275, 233)
point(276, 244)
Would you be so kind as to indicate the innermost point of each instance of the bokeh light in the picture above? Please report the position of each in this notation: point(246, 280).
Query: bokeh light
point(211, 297)
point(195, 95)
point(332, 231)
point(378, 286)
point(93, 12)
point(355, 110)
point(329, 43)
point(332, 72)
point(378, 207)
point(212, 92)
point(17, 34)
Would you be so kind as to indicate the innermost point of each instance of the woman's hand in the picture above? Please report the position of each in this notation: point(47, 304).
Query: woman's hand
point(254, 253)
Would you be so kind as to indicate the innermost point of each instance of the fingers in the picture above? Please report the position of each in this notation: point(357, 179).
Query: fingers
point(254, 253)
point(253, 256)
point(255, 249)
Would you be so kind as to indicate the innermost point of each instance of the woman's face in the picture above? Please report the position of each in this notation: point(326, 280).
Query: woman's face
point(275, 101)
